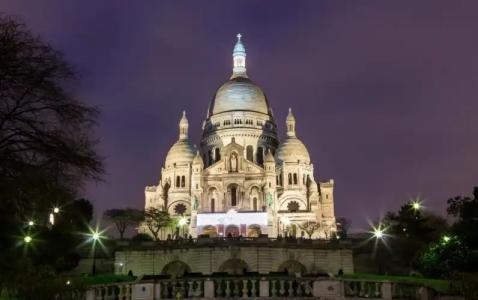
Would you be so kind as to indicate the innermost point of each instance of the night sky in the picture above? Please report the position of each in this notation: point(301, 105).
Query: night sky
point(385, 93)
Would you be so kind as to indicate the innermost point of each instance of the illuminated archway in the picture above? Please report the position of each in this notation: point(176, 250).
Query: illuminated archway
point(253, 230)
point(210, 230)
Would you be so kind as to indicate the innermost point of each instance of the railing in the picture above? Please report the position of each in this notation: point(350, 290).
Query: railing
point(273, 287)
point(112, 291)
point(362, 289)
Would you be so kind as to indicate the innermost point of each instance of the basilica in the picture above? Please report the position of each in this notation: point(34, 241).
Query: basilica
point(242, 180)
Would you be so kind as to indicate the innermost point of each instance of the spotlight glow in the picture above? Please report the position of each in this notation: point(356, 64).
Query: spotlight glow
point(31, 223)
point(183, 221)
point(27, 239)
point(56, 209)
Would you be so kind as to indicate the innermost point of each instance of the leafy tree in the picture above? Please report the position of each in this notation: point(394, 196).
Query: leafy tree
point(124, 218)
point(445, 257)
point(415, 224)
point(156, 220)
point(309, 227)
point(465, 210)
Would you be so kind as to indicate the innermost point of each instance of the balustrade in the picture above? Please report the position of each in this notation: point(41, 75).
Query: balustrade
point(258, 286)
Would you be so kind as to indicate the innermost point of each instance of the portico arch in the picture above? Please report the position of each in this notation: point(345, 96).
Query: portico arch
point(292, 267)
point(234, 266)
point(176, 268)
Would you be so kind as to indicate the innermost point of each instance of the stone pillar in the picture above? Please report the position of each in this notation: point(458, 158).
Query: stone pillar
point(387, 290)
point(90, 294)
point(209, 289)
point(327, 289)
point(264, 288)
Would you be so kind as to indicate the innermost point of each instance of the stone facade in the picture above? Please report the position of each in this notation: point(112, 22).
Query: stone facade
point(235, 259)
point(242, 167)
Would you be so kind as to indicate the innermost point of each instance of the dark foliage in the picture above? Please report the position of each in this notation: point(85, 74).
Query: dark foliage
point(46, 154)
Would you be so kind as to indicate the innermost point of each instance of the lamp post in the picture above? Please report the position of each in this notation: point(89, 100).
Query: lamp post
point(95, 237)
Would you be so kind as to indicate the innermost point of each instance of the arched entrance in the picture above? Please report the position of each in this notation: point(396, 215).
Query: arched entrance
point(210, 230)
point(176, 268)
point(253, 231)
point(234, 266)
point(232, 230)
point(292, 267)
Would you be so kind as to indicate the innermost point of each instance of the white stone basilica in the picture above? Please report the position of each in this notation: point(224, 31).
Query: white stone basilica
point(243, 180)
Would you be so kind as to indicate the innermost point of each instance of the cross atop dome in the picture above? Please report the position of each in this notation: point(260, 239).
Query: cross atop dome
point(239, 59)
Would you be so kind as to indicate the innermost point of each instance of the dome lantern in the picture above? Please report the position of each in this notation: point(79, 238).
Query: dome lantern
point(183, 127)
point(290, 122)
point(239, 59)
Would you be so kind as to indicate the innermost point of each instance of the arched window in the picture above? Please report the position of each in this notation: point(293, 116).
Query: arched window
point(178, 181)
point(303, 179)
point(212, 205)
point(217, 154)
point(281, 180)
point(260, 155)
point(233, 196)
point(290, 179)
point(250, 153)
point(183, 181)
point(254, 204)
point(210, 158)
point(295, 178)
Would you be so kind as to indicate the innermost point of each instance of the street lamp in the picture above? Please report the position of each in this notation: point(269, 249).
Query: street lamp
point(94, 237)
point(31, 223)
point(446, 239)
point(27, 239)
point(56, 209)
point(416, 205)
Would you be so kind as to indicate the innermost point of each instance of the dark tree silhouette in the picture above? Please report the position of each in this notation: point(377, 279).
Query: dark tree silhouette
point(124, 218)
point(46, 147)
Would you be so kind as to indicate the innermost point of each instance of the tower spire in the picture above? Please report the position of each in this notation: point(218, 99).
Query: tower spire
point(183, 127)
point(239, 59)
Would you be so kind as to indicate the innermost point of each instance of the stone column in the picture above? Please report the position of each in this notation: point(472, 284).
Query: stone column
point(387, 290)
point(264, 288)
point(209, 289)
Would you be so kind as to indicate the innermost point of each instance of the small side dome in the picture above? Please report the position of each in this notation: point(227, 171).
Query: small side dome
point(293, 150)
point(198, 160)
point(270, 157)
point(182, 152)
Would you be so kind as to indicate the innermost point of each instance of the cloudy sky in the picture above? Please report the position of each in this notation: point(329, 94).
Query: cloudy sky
point(384, 92)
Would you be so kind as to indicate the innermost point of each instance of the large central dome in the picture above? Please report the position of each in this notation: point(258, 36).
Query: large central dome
point(239, 94)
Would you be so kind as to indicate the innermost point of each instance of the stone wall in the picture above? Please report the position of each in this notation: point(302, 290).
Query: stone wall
point(234, 259)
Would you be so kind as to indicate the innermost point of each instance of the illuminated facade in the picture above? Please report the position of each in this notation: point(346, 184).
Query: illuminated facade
point(243, 180)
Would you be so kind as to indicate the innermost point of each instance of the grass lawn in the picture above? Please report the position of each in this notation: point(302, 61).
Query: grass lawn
point(439, 285)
